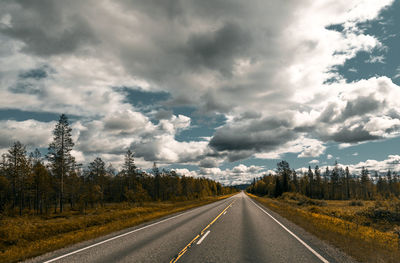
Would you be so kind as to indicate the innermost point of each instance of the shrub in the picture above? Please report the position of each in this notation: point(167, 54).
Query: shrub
point(356, 203)
point(302, 200)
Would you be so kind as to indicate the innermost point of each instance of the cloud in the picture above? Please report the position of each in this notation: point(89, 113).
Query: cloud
point(59, 31)
point(219, 49)
point(365, 110)
point(252, 63)
point(376, 59)
point(32, 133)
point(265, 134)
point(240, 174)
point(392, 163)
point(313, 162)
point(397, 73)
point(314, 149)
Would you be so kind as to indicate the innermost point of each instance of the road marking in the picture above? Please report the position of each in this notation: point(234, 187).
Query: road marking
point(224, 212)
point(183, 251)
point(294, 235)
point(122, 235)
point(201, 239)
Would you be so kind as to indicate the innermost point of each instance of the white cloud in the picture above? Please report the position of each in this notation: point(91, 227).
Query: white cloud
point(240, 174)
point(376, 59)
point(391, 163)
point(313, 162)
point(397, 74)
point(32, 133)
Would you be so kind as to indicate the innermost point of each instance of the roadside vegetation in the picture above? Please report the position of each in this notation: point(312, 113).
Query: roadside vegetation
point(48, 203)
point(360, 214)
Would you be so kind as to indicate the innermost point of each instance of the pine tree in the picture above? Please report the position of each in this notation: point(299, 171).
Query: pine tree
point(334, 180)
point(59, 154)
point(130, 169)
point(364, 182)
point(325, 184)
point(347, 172)
point(318, 182)
point(97, 171)
point(284, 170)
point(18, 167)
point(310, 181)
point(157, 179)
point(295, 181)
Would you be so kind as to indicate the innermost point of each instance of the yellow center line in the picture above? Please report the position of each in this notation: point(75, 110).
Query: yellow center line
point(183, 251)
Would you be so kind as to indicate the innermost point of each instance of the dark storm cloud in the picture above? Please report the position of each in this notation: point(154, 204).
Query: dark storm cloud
point(358, 134)
point(208, 163)
point(239, 155)
point(36, 74)
point(157, 8)
point(163, 114)
point(234, 140)
point(30, 81)
point(217, 50)
point(248, 115)
point(117, 124)
point(357, 107)
point(360, 106)
point(25, 88)
point(258, 135)
point(46, 29)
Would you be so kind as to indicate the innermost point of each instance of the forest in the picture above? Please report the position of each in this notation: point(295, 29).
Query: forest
point(336, 183)
point(30, 183)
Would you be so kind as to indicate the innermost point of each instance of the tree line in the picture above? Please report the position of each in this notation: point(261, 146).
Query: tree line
point(32, 183)
point(331, 184)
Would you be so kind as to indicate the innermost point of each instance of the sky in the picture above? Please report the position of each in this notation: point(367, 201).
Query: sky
point(220, 89)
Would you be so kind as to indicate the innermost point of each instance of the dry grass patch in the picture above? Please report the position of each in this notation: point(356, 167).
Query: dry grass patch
point(343, 224)
point(29, 236)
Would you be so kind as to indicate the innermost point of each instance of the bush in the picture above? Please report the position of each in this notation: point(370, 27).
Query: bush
point(356, 203)
point(388, 211)
point(302, 199)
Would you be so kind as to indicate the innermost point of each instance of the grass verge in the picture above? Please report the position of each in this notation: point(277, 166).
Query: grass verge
point(364, 243)
point(29, 236)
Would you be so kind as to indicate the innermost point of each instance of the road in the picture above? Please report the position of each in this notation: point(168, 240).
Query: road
point(232, 230)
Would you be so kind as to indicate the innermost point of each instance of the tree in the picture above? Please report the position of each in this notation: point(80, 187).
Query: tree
point(130, 169)
point(284, 170)
point(311, 181)
point(97, 171)
point(365, 182)
point(334, 180)
point(18, 168)
point(347, 172)
point(157, 179)
point(42, 186)
point(59, 154)
point(318, 182)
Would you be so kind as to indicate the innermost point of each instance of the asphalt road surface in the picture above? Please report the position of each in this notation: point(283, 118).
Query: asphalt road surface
point(232, 230)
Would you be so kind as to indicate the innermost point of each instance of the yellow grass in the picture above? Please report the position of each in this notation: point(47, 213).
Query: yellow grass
point(339, 224)
point(29, 236)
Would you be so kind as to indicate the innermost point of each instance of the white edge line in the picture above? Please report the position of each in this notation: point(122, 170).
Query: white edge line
point(204, 236)
point(224, 212)
point(122, 235)
point(294, 235)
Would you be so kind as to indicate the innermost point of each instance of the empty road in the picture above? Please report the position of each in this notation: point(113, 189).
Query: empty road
point(232, 230)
